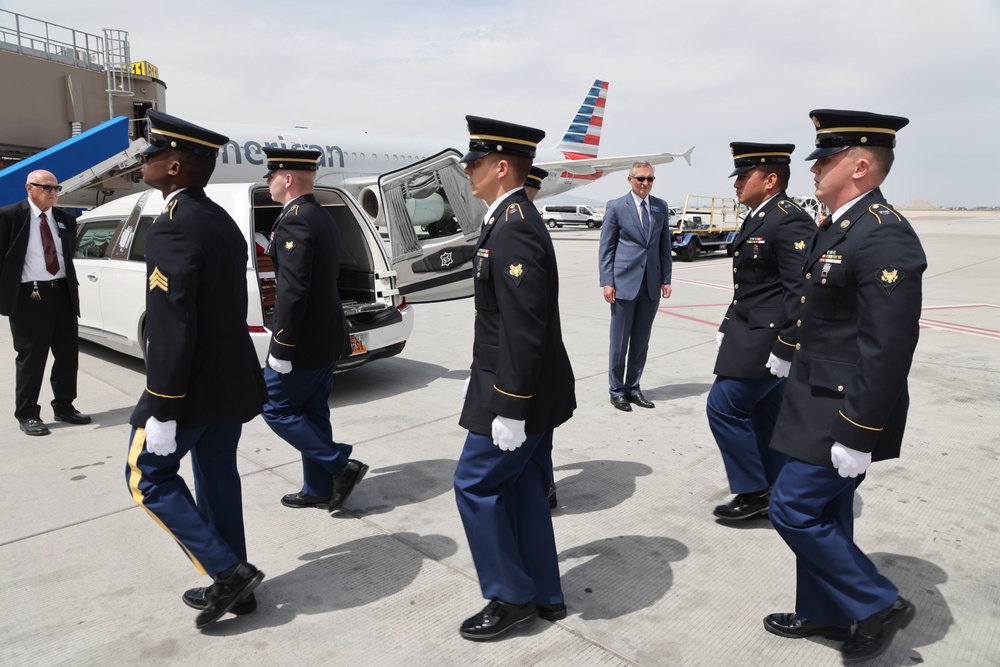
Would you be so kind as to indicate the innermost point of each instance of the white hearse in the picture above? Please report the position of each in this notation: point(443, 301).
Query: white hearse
point(430, 225)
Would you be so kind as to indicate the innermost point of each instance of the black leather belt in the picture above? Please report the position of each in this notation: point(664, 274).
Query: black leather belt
point(31, 284)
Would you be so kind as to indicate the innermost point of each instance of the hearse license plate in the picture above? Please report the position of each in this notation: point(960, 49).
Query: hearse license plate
point(358, 344)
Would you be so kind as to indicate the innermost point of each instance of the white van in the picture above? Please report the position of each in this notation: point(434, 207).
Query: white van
point(376, 285)
point(555, 215)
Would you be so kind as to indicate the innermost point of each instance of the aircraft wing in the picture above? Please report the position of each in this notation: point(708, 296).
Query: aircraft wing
point(606, 165)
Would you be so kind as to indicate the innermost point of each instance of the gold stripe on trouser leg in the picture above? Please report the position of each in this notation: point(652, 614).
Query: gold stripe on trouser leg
point(138, 442)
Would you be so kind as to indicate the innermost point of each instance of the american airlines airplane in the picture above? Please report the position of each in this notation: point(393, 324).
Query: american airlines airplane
point(354, 161)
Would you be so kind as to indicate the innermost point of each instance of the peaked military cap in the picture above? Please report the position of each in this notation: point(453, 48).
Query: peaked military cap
point(303, 159)
point(164, 131)
point(839, 130)
point(535, 178)
point(496, 136)
point(746, 156)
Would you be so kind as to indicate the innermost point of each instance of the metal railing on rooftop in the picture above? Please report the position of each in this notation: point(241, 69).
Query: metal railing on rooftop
point(42, 39)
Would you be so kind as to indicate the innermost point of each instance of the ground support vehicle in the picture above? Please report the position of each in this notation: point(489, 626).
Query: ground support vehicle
point(557, 215)
point(707, 224)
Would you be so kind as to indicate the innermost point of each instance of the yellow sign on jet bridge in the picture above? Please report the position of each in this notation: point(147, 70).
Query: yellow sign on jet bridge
point(144, 68)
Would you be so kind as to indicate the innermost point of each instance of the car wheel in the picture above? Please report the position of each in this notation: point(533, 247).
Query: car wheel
point(688, 253)
point(590, 224)
point(551, 223)
point(144, 341)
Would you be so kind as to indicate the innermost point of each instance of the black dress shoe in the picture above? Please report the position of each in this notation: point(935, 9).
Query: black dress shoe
point(195, 598)
point(345, 481)
point(797, 627)
point(873, 635)
point(553, 500)
point(304, 500)
point(551, 612)
point(34, 427)
point(232, 585)
point(744, 505)
point(72, 417)
point(621, 403)
point(640, 400)
point(495, 619)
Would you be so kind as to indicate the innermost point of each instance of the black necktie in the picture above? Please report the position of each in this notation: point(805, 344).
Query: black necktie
point(644, 217)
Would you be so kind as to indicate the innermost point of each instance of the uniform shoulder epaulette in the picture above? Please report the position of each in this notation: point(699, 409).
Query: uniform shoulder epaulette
point(788, 202)
point(884, 212)
point(514, 212)
point(170, 208)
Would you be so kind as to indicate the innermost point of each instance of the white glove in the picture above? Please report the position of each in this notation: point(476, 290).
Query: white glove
point(508, 434)
point(161, 437)
point(718, 340)
point(465, 387)
point(279, 365)
point(779, 367)
point(849, 462)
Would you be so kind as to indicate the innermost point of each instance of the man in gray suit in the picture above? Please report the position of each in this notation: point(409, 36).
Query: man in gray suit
point(635, 268)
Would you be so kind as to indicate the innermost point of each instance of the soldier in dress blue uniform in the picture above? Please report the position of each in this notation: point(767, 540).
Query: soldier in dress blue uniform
point(521, 388)
point(532, 186)
point(533, 182)
point(757, 337)
point(846, 399)
point(203, 380)
point(310, 332)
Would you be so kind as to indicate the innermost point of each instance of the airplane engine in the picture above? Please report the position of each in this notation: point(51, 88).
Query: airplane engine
point(371, 201)
point(425, 211)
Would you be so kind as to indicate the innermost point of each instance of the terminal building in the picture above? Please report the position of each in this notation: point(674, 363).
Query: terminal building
point(76, 104)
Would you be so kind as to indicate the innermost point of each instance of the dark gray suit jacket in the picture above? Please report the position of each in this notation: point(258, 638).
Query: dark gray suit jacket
point(627, 253)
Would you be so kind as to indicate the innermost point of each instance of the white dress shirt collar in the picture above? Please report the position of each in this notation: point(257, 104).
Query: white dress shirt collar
point(493, 207)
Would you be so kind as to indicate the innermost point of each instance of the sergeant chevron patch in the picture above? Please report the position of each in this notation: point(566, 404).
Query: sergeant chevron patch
point(157, 279)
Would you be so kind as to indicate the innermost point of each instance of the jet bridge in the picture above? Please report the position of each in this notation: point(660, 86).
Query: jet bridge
point(79, 162)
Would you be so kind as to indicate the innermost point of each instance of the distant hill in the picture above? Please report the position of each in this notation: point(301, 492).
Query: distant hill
point(919, 205)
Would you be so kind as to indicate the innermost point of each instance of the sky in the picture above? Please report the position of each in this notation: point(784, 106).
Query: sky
point(681, 74)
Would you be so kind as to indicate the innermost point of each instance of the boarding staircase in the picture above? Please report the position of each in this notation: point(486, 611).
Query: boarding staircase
point(84, 161)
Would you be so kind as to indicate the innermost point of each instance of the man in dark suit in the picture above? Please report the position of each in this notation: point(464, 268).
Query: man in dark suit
point(846, 400)
point(40, 296)
point(758, 334)
point(521, 388)
point(203, 379)
point(634, 263)
point(310, 332)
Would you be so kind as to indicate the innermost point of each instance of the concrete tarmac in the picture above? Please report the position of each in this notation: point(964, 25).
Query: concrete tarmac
point(650, 577)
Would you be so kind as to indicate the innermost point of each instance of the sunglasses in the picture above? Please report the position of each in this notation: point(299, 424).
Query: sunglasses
point(47, 188)
point(643, 179)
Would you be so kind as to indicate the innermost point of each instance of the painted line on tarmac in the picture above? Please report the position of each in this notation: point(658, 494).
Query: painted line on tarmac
point(959, 328)
point(700, 283)
point(672, 310)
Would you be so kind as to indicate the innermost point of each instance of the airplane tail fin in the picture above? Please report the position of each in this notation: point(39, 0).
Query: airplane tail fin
point(583, 136)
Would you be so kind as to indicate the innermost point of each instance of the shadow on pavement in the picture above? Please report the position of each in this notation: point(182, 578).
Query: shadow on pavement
point(598, 485)
point(345, 576)
point(919, 582)
point(384, 489)
point(619, 575)
point(388, 378)
point(673, 392)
